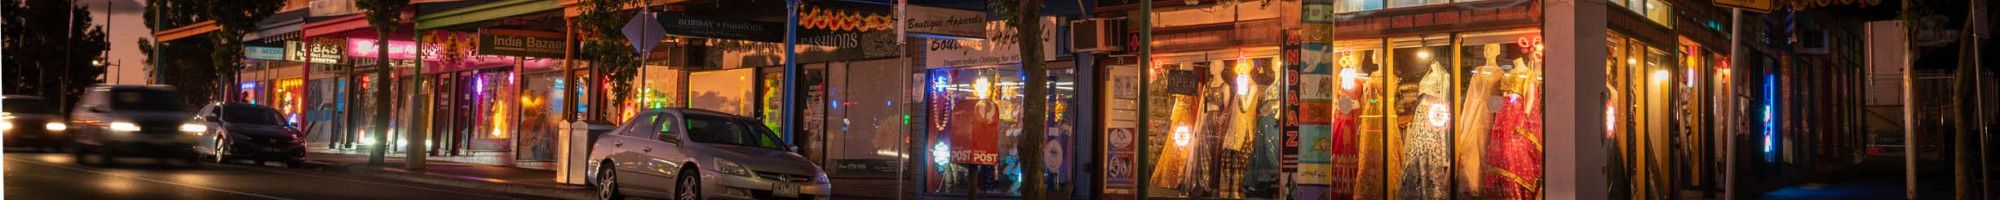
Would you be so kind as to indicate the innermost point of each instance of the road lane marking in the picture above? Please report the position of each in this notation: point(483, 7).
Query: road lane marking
point(152, 180)
point(369, 182)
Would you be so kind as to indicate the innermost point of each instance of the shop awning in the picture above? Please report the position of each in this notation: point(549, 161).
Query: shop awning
point(190, 30)
point(334, 25)
point(484, 12)
point(279, 27)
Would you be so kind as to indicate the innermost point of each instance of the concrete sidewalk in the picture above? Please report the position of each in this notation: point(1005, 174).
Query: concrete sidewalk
point(511, 180)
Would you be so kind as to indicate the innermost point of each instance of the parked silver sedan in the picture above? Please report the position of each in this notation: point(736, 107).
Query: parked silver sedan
point(697, 154)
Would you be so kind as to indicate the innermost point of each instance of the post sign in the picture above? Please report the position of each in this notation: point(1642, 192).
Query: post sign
point(706, 27)
point(525, 43)
point(264, 53)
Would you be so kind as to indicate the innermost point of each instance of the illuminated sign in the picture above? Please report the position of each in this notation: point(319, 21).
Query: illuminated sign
point(400, 50)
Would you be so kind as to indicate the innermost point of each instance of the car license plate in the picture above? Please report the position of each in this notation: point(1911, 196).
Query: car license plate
point(785, 190)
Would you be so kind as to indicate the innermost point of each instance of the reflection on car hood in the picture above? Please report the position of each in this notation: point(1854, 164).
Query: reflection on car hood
point(261, 130)
point(151, 116)
point(761, 159)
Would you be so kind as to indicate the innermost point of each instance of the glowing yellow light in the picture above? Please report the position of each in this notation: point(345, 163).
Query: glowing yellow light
point(1348, 78)
point(1661, 75)
point(982, 88)
point(1423, 55)
point(1610, 120)
point(1439, 115)
point(1182, 135)
point(1632, 61)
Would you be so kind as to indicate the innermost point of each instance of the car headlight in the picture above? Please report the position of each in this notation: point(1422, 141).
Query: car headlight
point(6, 125)
point(55, 126)
point(731, 168)
point(193, 128)
point(124, 126)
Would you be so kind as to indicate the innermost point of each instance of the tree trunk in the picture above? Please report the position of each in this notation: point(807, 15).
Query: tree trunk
point(1029, 25)
point(380, 127)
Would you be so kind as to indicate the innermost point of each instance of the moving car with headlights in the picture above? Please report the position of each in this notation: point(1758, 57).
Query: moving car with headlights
point(31, 122)
point(250, 132)
point(130, 120)
point(697, 154)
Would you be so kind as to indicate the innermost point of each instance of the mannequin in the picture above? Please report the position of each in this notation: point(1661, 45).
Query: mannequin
point(1424, 160)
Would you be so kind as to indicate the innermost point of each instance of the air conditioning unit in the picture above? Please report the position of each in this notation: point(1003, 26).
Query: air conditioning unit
point(1099, 35)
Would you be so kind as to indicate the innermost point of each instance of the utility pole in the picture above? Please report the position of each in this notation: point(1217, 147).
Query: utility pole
point(1145, 78)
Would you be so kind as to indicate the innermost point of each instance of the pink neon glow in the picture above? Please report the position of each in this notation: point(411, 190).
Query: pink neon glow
point(364, 47)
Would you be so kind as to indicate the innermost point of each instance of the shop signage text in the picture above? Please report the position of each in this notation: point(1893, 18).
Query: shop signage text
point(524, 43)
point(366, 48)
point(322, 53)
point(923, 20)
point(697, 26)
point(1489, 15)
point(264, 53)
point(1000, 46)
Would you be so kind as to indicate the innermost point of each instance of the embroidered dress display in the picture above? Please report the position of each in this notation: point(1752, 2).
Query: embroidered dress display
point(1514, 149)
point(1425, 162)
point(1474, 116)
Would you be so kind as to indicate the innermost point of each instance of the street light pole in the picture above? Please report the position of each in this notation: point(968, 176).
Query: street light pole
point(1145, 78)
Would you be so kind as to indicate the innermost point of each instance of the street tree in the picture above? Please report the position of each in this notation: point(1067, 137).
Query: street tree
point(384, 16)
point(234, 18)
point(609, 54)
point(196, 79)
point(1025, 17)
point(50, 48)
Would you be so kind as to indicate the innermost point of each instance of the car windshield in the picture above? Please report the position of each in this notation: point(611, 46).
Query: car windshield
point(145, 100)
point(27, 105)
point(249, 114)
point(723, 130)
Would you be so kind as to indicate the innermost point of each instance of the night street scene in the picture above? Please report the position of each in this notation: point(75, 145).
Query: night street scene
point(999, 99)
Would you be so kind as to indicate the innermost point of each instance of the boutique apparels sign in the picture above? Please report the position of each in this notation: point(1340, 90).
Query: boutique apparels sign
point(1000, 46)
point(525, 43)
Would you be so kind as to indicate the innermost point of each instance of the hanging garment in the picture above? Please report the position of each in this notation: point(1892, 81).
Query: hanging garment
point(1514, 148)
point(1344, 139)
point(1424, 162)
point(1370, 152)
point(1474, 115)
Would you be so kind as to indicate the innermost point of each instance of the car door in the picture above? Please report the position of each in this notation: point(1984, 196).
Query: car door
point(86, 117)
point(663, 150)
point(631, 144)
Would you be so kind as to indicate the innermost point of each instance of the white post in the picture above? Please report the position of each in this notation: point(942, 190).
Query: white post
point(1576, 95)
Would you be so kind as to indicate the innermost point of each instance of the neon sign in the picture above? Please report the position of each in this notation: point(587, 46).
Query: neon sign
point(405, 50)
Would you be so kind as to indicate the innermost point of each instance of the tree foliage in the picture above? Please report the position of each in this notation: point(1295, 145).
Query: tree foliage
point(606, 49)
point(1025, 17)
point(50, 48)
point(202, 79)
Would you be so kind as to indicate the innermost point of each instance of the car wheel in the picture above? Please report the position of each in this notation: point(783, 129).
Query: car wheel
point(107, 156)
point(607, 183)
point(690, 185)
point(79, 155)
point(218, 153)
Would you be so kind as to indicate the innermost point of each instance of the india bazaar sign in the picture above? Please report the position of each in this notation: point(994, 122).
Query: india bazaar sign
point(525, 43)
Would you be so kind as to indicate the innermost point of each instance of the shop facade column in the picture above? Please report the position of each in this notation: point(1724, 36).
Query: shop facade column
point(1575, 154)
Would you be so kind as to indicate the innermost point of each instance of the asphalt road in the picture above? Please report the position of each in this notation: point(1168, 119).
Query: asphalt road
point(57, 176)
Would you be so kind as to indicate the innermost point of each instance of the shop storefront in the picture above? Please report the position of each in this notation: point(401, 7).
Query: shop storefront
point(970, 96)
